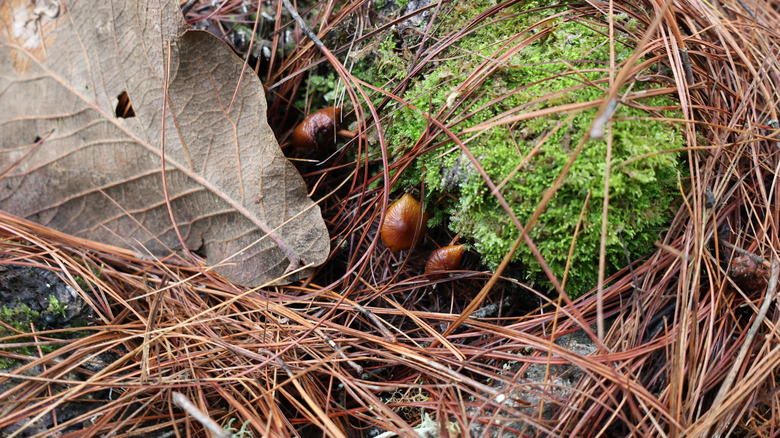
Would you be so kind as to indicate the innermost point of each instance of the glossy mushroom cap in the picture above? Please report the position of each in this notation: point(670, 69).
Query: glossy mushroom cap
point(404, 219)
point(316, 129)
point(444, 260)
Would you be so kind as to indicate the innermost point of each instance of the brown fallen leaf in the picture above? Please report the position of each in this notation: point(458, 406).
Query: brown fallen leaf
point(234, 196)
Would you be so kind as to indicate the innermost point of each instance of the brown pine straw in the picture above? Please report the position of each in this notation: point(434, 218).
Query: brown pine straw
point(690, 345)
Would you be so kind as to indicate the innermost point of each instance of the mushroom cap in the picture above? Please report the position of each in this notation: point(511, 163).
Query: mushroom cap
point(443, 260)
point(316, 129)
point(404, 220)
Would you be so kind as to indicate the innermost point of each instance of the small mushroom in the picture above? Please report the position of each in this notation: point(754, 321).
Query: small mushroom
point(316, 129)
point(404, 220)
point(443, 260)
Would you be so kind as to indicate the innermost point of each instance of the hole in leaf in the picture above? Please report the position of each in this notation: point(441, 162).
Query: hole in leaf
point(201, 250)
point(124, 108)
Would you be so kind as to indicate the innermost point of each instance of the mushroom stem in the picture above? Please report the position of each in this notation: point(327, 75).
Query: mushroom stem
point(346, 133)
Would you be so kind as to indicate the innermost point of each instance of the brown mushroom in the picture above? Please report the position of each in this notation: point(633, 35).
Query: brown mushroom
point(404, 220)
point(443, 260)
point(316, 129)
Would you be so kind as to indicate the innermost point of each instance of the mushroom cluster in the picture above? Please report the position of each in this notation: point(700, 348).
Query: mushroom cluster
point(405, 226)
point(405, 223)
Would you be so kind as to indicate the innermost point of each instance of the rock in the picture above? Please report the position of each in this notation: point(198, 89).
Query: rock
point(37, 295)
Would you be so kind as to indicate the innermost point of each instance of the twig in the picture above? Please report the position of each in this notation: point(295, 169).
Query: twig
point(339, 350)
point(687, 67)
point(597, 131)
point(203, 418)
point(304, 27)
point(377, 322)
point(748, 254)
point(492, 309)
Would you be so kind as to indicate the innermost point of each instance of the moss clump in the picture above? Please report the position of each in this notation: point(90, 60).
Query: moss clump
point(20, 317)
point(539, 75)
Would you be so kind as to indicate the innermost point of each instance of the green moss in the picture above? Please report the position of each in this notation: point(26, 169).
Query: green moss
point(322, 89)
point(642, 192)
point(56, 307)
point(20, 317)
